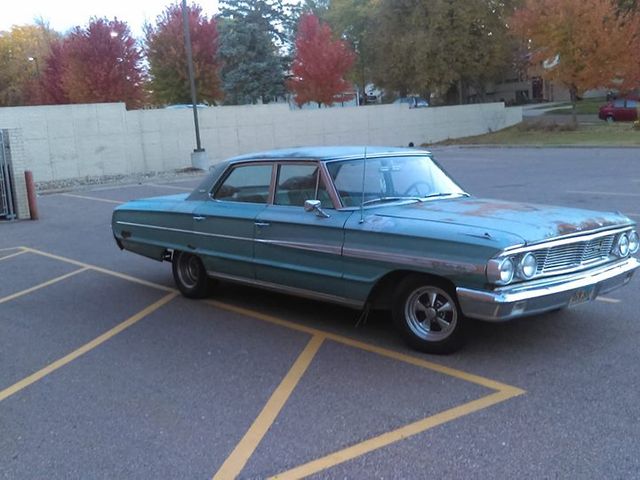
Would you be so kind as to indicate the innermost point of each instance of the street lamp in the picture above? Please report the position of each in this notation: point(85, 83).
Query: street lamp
point(35, 60)
point(198, 156)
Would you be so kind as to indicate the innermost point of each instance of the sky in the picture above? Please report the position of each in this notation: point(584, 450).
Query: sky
point(63, 15)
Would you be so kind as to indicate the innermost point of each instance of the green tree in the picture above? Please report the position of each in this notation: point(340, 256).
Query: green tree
point(424, 45)
point(352, 20)
point(23, 51)
point(253, 67)
point(252, 71)
point(168, 61)
point(276, 18)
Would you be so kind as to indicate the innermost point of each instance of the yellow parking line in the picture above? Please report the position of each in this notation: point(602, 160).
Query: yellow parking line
point(106, 271)
point(452, 372)
point(243, 451)
point(388, 438)
point(234, 464)
point(86, 197)
point(52, 367)
point(264, 317)
point(10, 248)
point(12, 255)
point(42, 285)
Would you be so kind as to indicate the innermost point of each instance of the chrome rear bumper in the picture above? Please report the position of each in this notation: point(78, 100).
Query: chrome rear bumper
point(506, 303)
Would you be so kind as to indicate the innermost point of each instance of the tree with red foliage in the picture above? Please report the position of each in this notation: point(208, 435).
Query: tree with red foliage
point(320, 64)
point(51, 87)
point(168, 60)
point(102, 63)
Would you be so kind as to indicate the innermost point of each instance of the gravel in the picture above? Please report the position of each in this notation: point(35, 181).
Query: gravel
point(81, 183)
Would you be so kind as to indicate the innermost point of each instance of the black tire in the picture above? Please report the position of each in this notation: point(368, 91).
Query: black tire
point(610, 119)
point(427, 314)
point(190, 275)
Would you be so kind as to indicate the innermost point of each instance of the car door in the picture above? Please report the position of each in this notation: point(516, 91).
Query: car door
point(224, 224)
point(618, 110)
point(298, 249)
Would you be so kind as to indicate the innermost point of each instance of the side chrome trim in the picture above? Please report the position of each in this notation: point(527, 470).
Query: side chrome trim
point(180, 230)
point(300, 292)
point(313, 247)
point(573, 238)
point(410, 260)
point(332, 250)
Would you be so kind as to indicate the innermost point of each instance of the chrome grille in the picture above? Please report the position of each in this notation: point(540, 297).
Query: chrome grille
point(573, 255)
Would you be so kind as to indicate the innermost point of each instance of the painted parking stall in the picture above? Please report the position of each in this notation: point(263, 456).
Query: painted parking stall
point(114, 374)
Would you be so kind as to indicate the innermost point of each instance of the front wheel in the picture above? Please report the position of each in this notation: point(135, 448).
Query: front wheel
point(190, 275)
point(427, 314)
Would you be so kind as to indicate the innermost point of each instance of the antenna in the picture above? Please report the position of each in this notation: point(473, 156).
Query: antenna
point(364, 171)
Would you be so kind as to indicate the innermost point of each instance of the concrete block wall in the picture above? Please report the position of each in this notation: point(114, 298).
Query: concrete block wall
point(71, 141)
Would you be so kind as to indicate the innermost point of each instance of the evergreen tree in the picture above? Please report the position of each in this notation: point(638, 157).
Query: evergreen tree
point(250, 33)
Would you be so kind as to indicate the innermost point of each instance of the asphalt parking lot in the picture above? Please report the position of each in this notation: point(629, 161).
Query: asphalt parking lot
point(106, 372)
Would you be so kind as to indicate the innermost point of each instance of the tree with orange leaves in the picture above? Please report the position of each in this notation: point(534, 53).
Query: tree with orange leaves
point(591, 39)
point(320, 65)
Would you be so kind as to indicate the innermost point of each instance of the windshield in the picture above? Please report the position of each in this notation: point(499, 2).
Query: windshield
point(390, 179)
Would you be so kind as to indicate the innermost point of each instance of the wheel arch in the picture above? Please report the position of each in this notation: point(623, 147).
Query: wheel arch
point(381, 295)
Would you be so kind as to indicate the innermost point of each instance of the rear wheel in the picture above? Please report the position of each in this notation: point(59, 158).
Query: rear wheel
point(427, 314)
point(610, 119)
point(190, 275)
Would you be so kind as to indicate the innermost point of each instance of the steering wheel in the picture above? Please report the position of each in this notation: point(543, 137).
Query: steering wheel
point(415, 185)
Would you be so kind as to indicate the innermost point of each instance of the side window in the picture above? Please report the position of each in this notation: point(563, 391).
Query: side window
point(298, 183)
point(632, 104)
point(618, 103)
point(249, 183)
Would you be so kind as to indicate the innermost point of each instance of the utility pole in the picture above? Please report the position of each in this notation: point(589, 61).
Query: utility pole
point(199, 157)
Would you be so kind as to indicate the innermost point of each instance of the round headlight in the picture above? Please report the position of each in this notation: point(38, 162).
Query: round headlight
point(528, 266)
point(634, 242)
point(507, 269)
point(623, 245)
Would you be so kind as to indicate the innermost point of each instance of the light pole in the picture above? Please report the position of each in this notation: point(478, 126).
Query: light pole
point(198, 156)
point(35, 60)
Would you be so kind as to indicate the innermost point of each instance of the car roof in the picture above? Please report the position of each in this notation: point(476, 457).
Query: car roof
point(327, 153)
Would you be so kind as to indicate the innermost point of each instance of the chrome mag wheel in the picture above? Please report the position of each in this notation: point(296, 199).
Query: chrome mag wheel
point(430, 313)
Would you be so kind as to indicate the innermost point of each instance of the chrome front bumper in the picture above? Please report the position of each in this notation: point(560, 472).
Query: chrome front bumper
point(506, 303)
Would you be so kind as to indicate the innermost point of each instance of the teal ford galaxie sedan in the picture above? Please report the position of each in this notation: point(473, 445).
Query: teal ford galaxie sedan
point(380, 228)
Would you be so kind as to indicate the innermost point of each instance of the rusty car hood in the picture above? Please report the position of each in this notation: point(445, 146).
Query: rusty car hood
point(532, 222)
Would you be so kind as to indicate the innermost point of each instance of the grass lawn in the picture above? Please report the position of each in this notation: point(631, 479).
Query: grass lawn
point(586, 106)
point(617, 134)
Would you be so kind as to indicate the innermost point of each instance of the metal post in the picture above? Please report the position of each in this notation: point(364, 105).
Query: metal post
point(192, 80)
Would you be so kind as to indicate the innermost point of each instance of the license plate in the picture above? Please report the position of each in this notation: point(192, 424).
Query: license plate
point(581, 296)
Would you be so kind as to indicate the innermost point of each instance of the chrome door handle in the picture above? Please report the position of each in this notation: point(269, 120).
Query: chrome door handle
point(262, 224)
point(198, 218)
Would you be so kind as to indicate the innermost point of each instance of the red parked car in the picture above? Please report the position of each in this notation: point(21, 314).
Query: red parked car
point(619, 110)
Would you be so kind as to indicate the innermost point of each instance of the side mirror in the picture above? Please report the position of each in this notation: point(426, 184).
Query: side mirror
point(315, 206)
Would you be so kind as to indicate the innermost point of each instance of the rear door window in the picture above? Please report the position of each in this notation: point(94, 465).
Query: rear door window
point(298, 183)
